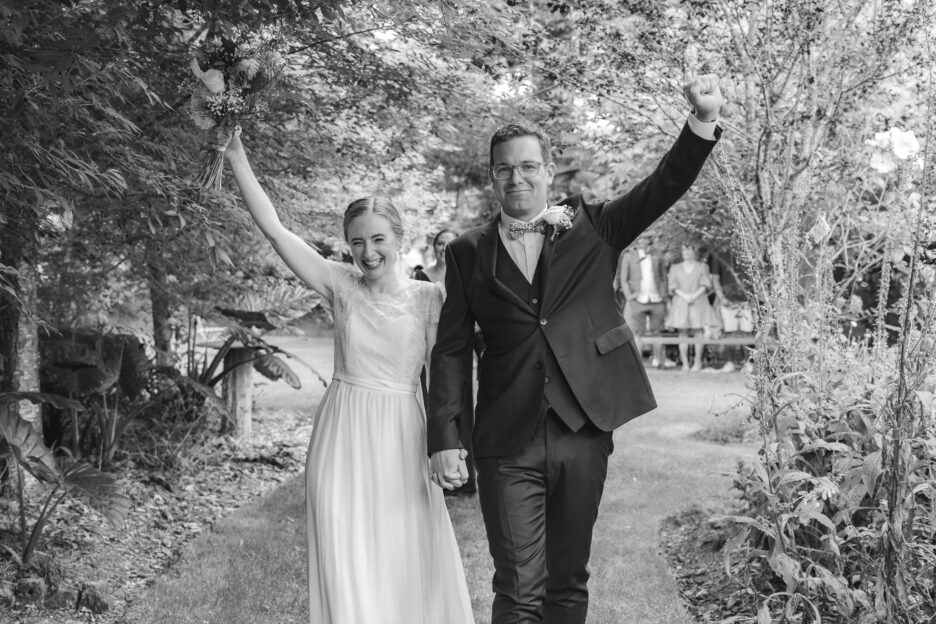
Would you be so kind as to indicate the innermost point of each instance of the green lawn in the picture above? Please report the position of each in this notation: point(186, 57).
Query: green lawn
point(251, 568)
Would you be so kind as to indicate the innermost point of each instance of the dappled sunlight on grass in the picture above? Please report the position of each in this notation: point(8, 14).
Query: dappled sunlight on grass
point(251, 567)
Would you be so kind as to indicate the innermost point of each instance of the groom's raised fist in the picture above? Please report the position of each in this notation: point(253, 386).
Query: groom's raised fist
point(704, 96)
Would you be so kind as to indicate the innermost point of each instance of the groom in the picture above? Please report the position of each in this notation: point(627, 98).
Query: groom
point(560, 372)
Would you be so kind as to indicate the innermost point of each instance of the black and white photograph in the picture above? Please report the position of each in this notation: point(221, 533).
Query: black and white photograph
point(467, 312)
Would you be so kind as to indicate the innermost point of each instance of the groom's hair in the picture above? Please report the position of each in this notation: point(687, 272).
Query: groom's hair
point(515, 131)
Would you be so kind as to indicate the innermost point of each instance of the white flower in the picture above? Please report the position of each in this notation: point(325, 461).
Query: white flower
point(900, 143)
point(856, 305)
point(825, 488)
point(554, 215)
point(203, 120)
point(248, 66)
point(883, 162)
point(560, 217)
point(882, 140)
point(905, 143)
point(201, 115)
point(212, 79)
point(820, 229)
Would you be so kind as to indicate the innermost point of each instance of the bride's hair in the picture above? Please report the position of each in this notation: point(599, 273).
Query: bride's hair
point(377, 205)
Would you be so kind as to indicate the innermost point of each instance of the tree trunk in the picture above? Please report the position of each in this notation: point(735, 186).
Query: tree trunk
point(9, 322)
point(13, 233)
point(161, 310)
point(27, 365)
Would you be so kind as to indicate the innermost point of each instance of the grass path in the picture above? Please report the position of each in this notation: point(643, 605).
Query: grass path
point(251, 567)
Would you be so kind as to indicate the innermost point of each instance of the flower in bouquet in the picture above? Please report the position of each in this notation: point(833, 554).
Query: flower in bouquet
point(231, 80)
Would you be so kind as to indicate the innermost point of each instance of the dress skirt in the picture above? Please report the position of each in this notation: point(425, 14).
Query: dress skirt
point(380, 542)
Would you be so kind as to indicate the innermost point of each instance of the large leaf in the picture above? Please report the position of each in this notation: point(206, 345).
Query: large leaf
point(274, 368)
point(786, 567)
point(134, 366)
point(85, 363)
point(55, 400)
point(79, 363)
point(28, 446)
point(274, 301)
point(101, 490)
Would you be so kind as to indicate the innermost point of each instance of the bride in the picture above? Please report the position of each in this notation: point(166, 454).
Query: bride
point(380, 542)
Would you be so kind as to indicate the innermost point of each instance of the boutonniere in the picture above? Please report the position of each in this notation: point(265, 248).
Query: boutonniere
point(560, 218)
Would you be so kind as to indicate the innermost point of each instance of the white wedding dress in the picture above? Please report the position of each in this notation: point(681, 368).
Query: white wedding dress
point(381, 545)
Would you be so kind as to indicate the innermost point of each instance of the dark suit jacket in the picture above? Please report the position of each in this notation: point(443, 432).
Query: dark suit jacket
point(576, 317)
point(629, 273)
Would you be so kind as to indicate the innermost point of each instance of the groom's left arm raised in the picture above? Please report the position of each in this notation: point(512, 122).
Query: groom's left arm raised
point(620, 220)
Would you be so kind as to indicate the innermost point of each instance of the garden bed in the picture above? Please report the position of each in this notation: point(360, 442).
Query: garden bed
point(215, 476)
point(692, 542)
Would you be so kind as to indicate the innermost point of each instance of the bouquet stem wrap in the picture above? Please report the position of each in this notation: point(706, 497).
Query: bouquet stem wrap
point(212, 164)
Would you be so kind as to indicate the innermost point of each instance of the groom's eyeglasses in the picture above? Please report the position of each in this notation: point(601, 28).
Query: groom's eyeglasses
point(526, 169)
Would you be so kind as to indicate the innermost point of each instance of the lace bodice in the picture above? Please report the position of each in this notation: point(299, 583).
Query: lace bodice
point(381, 336)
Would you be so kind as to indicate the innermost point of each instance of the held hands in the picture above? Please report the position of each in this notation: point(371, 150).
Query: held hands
point(704, 96)
point(448, 469)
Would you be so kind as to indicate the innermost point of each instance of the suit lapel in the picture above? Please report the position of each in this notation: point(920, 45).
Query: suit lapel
point(489, 257)
point(553, 247)
point(545, 265)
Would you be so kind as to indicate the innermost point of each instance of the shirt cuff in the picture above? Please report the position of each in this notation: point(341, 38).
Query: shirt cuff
point(703, 129)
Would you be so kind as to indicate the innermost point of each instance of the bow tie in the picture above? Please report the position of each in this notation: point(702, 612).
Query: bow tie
point(518, 228)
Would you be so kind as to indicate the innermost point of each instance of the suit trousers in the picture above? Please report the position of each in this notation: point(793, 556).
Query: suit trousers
point(539, 508)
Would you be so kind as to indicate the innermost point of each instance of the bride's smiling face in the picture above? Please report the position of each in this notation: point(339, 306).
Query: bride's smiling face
point(373, 244)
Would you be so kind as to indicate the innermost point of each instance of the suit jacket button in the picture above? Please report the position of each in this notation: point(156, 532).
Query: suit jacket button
point(539, 365)
point(543, 321)
point(546, 380)
point(535, 300)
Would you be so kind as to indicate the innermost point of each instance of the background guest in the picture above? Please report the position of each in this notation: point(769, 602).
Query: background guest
point(689, 283)
point(641, 279)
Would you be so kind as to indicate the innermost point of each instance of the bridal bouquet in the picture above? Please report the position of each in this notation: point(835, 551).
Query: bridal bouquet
point(232, 79)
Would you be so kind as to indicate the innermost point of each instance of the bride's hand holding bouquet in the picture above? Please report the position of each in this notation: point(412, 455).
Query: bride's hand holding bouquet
point(232, 80)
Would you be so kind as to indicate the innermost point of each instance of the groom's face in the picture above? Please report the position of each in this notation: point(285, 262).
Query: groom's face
point(520, 197)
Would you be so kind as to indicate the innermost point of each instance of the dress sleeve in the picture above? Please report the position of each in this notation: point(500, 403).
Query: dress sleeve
point(432, 300)
point(341, 278)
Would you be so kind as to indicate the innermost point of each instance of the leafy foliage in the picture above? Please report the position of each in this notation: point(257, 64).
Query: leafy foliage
point(100, 490)
point(837, 513)
point(109, 374)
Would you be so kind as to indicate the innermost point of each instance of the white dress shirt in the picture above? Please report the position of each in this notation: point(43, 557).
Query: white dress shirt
point(525, 250)
point(648, 290)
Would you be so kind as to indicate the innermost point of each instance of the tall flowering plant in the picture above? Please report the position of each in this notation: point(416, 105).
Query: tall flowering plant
point(839, 507)
point(232, 80)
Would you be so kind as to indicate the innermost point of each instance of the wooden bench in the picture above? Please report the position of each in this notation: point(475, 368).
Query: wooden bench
point(747, 340)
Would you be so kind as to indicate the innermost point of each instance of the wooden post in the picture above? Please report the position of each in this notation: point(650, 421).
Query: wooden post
point(238, 389)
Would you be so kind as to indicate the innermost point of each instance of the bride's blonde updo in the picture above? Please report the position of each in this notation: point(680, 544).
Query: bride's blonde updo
point(377, 205)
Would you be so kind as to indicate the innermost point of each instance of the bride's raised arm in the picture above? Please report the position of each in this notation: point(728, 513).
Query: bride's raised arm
point(301, 257)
